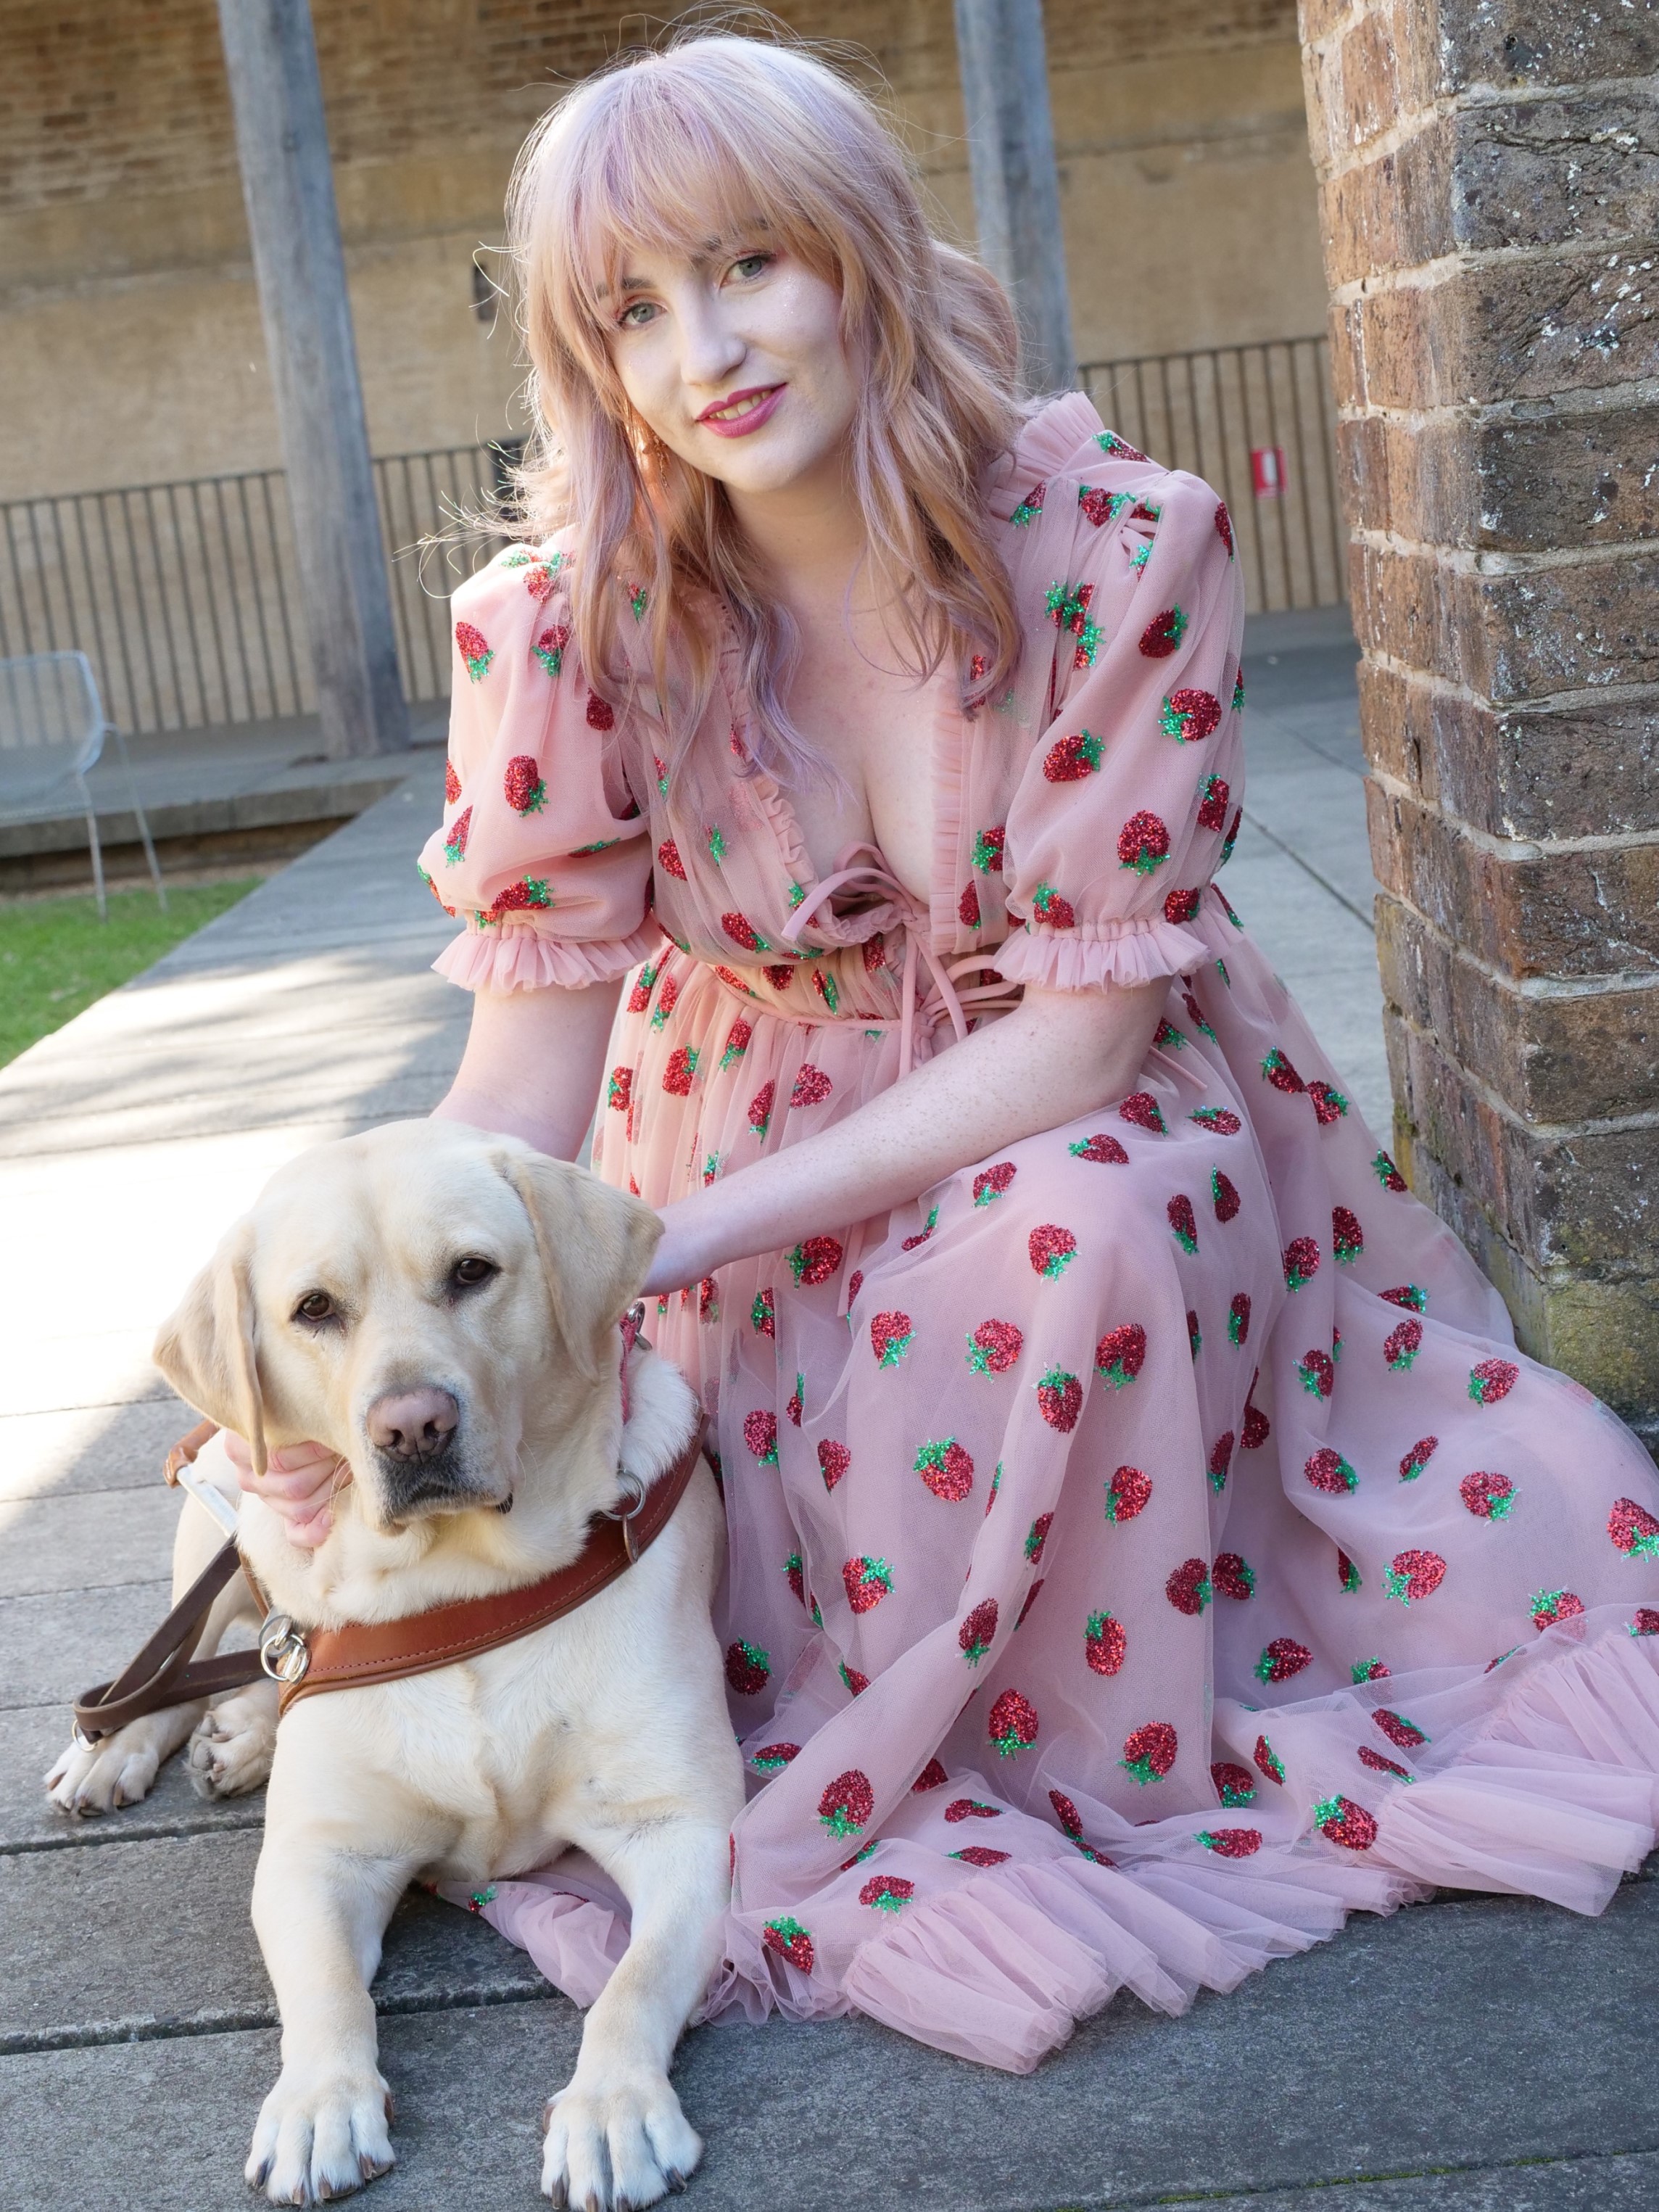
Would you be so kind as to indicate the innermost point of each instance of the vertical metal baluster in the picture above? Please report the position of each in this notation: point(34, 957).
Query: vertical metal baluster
point(279, 573)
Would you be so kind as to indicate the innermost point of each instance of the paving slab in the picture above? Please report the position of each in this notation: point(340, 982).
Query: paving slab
point(88, 1541)
point(90, 1448)
point(52, 1648)
point(30, 1740)
point(1419, 2062)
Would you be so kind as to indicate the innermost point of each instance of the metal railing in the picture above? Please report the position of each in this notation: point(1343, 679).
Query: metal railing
point(185, 596)
point(1208, 412)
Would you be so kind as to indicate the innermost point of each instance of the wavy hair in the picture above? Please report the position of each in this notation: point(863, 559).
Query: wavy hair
point(662, 150)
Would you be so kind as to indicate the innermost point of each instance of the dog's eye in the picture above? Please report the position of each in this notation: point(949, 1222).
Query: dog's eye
point(468, 1274)
point(315, 1306)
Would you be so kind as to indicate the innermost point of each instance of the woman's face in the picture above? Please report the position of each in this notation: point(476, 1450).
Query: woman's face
point(734, 359)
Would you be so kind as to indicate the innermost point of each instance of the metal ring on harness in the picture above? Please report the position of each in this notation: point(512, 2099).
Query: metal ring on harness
point(283, 1652)
point(634, 1490)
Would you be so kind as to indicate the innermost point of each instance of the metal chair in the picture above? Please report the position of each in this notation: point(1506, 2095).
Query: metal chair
point(52, 729)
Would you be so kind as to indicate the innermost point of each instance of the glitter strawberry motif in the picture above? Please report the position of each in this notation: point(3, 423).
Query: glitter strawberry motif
point(1187, 1589)
point(1163, 634)
point(1221, 1118)
point(1142, 1111)
point(1328, 1471)
point(455, 840)
point(1232, 1577)
point(887, 1892)
point(1418, 1458)
point(1060, 1400)
point(1181, 906)
point(813, 1086)
point(682, 1068)
point(1348, 1575)
point(794, 1573)
point(1328, 1104)
point(971, 1808)
point(522, 783)
point(1194, 1335)
point(1489, 1497)
point(1224, 1197)
point(967, 913)
point(1300, 1262)
point(1183, 1222)
point(760, 1109)
point(1213, 794)
point(1413, 1574)
point(760, 1433)
point(1345, 1823)
point(1234, 1784)
point(1068, 604)
point(451, 784)
point(1051, 1250)
point(1255, 1430)
point(1104, 1644)
point(644, 983)
point(978, 1632)
point(529, 893)
point(932, 1776)
point(1121, 1353)
point(668, 996)
point(834, 1460)
point(1069, 760)
point(619, 1091)
point(1347, 1237)
point(979, 1855)
point(1230, 1843)
point(994, 1346)
point(1220, 1466)
point(1049, 906)
point(946, 1470)
point(550, 646)
point(601, 714)
point(1380, 1763)
point(748, 1668)
point(990, 1182)
point(1188, 717)
point(1102, 1149)
point(890, 1337)
point(1029, 508)
point(1401, 1345)
point(987, 849)
point(1269, 1764)
point(1281, 1659)
point(668, 859)
point(1098, 506)
point(1238, 1319)
point(1143, 843)
point(1491, 1380)
point(1149, 1752)
point(1387, 1173)
point(773, 1758)
point(846, 1806)
point(857, 1684)
point(476, 651)
point(1127, 1494)
point(737, 1042)
point(790, 1941)
point(1405, 1735)
point(815, 1259)
point(1224, 526)
point(1317, 1374)
point(1012, 1724)
point(1281, 1073)
point(1547, 1607)
point(1632, 1530)
point(1037, 1535)
point(742, 932)
point(866, 1582)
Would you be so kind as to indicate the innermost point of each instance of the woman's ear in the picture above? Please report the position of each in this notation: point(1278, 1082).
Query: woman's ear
point(594, 1244)
point(206, 1347)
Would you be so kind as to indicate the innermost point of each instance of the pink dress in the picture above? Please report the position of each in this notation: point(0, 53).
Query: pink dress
point(1150, 1545)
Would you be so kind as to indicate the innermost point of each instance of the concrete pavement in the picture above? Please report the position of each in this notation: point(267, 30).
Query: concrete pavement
point(1474, 2055)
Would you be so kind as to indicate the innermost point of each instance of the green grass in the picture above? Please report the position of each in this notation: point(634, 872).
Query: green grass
point(56, 957)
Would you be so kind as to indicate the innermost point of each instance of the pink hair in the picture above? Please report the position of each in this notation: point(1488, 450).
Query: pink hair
point(665, 149)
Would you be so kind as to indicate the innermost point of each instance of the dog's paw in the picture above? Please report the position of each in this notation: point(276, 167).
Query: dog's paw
point(230, 1752)
point(320, 2136)
point(618, 2146)
point(120, 1771)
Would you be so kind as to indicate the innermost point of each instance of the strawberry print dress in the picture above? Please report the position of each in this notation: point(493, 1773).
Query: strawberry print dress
point(1150, 1545)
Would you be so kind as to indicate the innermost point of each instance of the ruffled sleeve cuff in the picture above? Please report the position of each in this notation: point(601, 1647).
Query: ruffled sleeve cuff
point(501, 959)
point(1125, 951)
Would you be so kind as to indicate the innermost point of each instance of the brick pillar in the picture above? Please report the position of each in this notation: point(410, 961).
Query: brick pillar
point(1489, 177)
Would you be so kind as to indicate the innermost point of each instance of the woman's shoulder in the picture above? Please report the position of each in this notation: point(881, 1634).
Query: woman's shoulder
point(1067, 467)
point(523, 573)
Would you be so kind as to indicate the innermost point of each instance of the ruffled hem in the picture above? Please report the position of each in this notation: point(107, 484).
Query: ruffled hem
point(525, 960)
point(1130, 951)
point(1553, 1793)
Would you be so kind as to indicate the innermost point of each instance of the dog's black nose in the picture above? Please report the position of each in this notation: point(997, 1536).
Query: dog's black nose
point(413, 1424)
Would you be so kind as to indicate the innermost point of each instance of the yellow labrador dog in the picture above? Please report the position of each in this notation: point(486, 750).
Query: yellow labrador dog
point(440, 1307)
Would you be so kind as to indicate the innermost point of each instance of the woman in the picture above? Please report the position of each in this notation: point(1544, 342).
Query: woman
point(876, 740)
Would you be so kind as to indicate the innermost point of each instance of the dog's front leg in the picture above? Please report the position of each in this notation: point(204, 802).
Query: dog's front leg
point(616, 2135)
point(320, 1913)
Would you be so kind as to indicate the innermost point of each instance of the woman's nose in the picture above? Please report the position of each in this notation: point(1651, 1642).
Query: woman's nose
point(711, 350)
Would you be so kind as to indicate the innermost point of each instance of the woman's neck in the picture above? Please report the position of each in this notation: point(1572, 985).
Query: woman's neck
point(808, 539)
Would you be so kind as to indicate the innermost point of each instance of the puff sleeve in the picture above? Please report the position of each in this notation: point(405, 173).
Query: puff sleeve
point(1118, 822)
point(543, 851)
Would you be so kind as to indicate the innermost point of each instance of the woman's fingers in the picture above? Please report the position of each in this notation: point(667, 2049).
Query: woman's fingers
point(298, 1484)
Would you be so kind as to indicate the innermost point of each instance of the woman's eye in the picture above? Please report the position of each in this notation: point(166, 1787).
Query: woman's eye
point(636, 315)
point(316, 1306)
point(471, 1271)
point(752, 264)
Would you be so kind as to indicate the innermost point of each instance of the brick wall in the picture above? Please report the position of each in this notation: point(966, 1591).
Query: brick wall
point(1490, 187)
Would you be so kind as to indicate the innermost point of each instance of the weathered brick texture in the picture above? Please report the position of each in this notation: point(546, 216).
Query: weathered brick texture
point(1489, 176)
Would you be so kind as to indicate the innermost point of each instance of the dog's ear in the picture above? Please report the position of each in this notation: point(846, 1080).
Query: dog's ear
point(594, 1244)
point(205, 1348)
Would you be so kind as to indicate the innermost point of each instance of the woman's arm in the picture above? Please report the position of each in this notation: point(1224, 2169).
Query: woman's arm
point(1058, 1055)
point(533, 1064)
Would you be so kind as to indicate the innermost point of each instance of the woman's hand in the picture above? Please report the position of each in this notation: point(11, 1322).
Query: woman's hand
point(298, 1485)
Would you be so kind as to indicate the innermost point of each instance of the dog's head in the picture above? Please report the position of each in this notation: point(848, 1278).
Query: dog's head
point(424, 1299)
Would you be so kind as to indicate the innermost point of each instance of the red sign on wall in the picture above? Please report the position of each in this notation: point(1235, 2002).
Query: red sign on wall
point(1268, 470)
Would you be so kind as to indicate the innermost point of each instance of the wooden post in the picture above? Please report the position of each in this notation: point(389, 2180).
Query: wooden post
point(1011, 146)
point(288, 184)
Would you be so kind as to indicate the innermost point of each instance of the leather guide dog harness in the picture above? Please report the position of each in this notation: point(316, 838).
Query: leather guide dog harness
point(305, 1660)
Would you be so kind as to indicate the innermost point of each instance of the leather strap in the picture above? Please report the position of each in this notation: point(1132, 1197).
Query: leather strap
point(387, 1650)
point(163, 1674)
